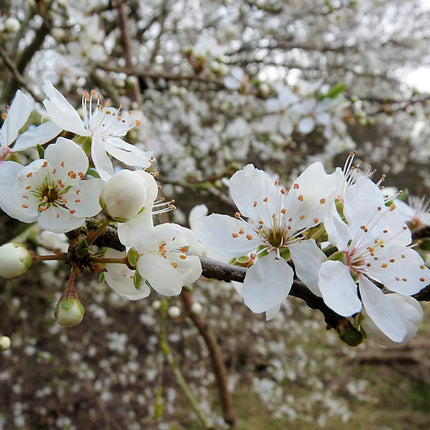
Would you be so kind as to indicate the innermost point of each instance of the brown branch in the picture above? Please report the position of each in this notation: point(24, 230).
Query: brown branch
point(216, 358)
point(213, 269)
point(123, 26)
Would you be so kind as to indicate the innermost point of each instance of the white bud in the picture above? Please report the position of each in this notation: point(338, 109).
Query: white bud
point(410, 313)
point(264, 89)
point(196, 308)
point(69, 310)
point(11, 25)
point(15, 259)
point(124, 195)
point(156, 304)
point(4, 343)
point(174, 312)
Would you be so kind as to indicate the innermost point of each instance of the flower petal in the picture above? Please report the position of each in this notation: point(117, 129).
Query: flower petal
point(267, 283)
point(100, 158)
point(68, 158)
point(307, 258)
point(338, 289)
point(37, 136)
point(59, 220)
point(220, 233)
point(83, 199)
point(400, 269)
point(255, 194)
point(62, 112)
point(127, 153)
point(17, 116)
point(120, 278)
point(381, 310)
point(160, 274)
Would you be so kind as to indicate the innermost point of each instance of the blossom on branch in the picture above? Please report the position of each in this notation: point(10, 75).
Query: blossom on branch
point(51, 190)
point(372, 247)
point(277, 224)
point(100, 122)
point(14, 119)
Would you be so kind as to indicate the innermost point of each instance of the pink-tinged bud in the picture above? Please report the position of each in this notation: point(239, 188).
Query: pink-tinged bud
point(4, 343)
point(69, 310)
point(125, 194)
point(15, 260)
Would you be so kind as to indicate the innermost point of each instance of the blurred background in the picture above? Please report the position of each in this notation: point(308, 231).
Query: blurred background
point(217, 85)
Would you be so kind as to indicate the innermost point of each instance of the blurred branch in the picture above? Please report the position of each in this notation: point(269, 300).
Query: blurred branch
point(28, 53)
point(215, 355)
point(167, 352)
point(18, 77)
point(124, 26)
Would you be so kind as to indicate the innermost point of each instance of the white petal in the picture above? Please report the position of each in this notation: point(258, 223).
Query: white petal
point(338, 289)
point(306, 125)
point(134, 232)
point(66, 157)
point(255, 194)
point(231, 83)
point(127, 153)
point(267, 283)
point(309, 199)
point(100, 158)
point(37, 136)
point(400, 269)
point(160, 274)
point(120, 278)
point(307, 258)
point(216, 232)
point(10, 200)
point(271, 313)
point(381, 310)
point(62, 112)
point(84, 198)
point(59, 220)
point(337, 231)
point(17, 116)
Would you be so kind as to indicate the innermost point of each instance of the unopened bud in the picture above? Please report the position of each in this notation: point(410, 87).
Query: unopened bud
point(174, 312)
point(4, 343)
point(125, 194)
point(11, 25)
point(15, 259)
point(69, 310)
point(196, 308)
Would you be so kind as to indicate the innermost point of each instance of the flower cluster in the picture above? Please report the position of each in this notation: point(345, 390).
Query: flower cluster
point(337, 232)
point(367, 247)
point(95, 175)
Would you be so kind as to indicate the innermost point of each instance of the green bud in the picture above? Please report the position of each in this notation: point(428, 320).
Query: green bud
point(69, 310)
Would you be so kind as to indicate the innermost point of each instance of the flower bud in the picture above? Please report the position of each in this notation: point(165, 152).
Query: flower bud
point(69, 310)
point(4, 343)
point(174, 312)
point(196, 308)
point(15, 259)
point(124, 195)
point(11, 25)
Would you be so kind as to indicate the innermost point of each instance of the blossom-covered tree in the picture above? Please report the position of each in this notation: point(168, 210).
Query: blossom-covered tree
point(117, 112)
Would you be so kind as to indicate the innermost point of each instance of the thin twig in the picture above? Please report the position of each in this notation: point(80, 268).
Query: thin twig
point(215, 355)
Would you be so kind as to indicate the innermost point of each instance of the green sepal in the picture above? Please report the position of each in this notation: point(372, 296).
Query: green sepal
point(82, 250)
point(101, 277)
point(350, 335)
point(137, 280)
point(40, 151)
point(132, 257)
point(334, 91)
